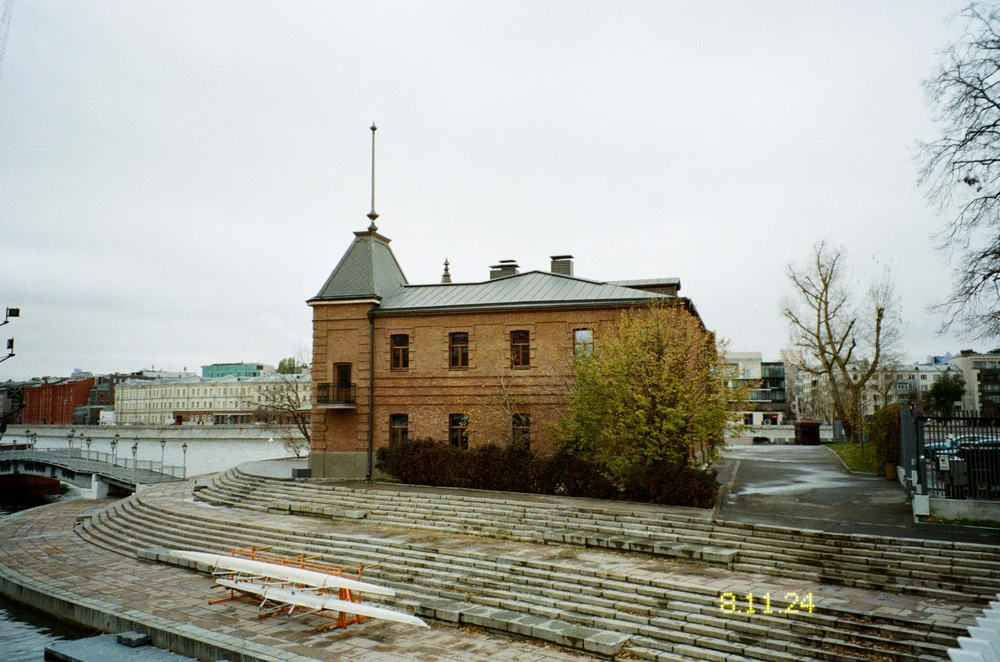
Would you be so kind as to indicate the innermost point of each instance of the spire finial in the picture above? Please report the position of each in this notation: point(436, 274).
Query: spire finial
point(446, 276)
point(373, 214)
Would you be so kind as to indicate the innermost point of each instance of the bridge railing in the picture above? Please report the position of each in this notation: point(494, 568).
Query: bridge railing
point(108, 464)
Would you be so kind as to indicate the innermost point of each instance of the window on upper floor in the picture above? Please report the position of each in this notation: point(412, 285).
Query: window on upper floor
point(520, 349)
point(583, 342)
point(458, 430)
point(400, 344)
point(458, 348)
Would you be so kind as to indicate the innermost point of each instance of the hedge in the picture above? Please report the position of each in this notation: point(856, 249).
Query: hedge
point(885, 436)
point(515, 469)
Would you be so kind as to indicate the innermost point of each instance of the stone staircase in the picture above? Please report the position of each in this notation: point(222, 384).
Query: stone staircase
point(592, 607)
point(955, 571)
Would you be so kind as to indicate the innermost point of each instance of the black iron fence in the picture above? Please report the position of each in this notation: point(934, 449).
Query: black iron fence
point(336, 394)
point(957, 457)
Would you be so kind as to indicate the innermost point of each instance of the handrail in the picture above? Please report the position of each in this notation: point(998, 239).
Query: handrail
point(84, 461)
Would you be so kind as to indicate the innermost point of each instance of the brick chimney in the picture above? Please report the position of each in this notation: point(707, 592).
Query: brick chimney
point(562, 264)
point(504, 268)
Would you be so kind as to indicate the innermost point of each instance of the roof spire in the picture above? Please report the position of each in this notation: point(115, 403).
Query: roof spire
point(446, 276)
point(373, 214)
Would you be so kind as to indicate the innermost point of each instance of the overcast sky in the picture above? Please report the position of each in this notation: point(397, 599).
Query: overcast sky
point(177, 178)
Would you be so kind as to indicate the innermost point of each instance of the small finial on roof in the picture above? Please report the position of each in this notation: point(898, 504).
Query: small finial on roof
point(446, 276)
point(373, 214)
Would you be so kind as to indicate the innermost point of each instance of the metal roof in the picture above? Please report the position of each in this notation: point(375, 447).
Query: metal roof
point(647, 282)
point(528, 290)
point(367, 270)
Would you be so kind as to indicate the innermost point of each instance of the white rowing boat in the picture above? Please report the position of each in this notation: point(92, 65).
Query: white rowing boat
point(318, 602)
point(285, 573)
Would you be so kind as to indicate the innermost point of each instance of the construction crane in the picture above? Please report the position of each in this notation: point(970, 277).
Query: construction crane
point(8, 9)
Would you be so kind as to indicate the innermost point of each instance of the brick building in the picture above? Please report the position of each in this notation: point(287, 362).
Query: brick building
point(469, 363)
point(53, 402)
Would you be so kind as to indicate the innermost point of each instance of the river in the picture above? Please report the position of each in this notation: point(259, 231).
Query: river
point(24, 633)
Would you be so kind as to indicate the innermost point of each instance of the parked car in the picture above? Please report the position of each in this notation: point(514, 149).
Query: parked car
point(935, 448)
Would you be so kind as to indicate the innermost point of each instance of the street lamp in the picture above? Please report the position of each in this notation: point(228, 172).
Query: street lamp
point(34, 439)
point(88, 447)
point(184, 471)
point(163, 446)
point(135, 459)
point(27, 437)
point(69, 437)
point(114, 453)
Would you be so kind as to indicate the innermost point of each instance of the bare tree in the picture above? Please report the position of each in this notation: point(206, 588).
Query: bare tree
point(844, 338)
point(961, 169)
point(281, 403)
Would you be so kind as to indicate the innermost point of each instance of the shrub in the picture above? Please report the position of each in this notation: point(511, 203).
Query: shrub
point(885, 436)
point(515, 469)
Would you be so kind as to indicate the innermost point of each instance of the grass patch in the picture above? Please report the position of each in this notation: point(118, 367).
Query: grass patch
point(857, 457)
point(984, 523)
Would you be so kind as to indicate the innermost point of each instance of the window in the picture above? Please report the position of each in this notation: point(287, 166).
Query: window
point(520, 351)
point(583, 342)
point(521, 429)
point(458, 344)
point(458, 430)
point(398, 429)
point(923, 376)
point(400, 351)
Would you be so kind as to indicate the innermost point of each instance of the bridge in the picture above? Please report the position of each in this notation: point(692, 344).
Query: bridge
point(92, 470)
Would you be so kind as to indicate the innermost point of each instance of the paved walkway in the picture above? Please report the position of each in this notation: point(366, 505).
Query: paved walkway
point(807, 487)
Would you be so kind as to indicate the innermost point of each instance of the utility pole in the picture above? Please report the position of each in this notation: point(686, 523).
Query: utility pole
point(8, 10)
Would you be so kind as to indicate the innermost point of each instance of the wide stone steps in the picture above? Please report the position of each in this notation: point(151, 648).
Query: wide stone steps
point(139, 524)
point(864, 561)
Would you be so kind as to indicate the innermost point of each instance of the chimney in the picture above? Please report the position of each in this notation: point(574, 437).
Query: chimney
point(562, 264)
point(504, 268)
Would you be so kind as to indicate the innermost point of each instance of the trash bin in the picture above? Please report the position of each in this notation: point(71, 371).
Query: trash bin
point(807, 433)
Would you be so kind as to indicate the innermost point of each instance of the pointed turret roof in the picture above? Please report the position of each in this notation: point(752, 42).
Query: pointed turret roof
point(368, 270)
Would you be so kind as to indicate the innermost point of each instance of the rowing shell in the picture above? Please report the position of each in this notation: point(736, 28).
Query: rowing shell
point(319, 602)
point(283, 572)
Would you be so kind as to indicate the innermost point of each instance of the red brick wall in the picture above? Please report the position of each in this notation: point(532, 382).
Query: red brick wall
point(487, 391)
point(53, 403)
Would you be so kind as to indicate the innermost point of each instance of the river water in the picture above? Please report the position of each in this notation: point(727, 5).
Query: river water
point(24, 633)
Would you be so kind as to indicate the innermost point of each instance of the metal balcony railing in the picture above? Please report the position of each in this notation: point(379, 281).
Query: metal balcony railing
point(336, 394)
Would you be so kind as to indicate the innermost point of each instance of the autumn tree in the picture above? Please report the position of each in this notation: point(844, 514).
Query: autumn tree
point(945, 392)
point(961, 169)
point(654, 390)
point(844, 329)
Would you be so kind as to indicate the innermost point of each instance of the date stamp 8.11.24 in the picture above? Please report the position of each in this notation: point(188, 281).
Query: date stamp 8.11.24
point(791, 603)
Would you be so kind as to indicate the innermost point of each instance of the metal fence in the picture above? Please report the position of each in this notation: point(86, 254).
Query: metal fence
point(957, 457)
point(128, 469)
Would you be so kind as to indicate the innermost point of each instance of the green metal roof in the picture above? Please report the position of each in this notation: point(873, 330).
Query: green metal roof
point(528, 290)
point(367, 270)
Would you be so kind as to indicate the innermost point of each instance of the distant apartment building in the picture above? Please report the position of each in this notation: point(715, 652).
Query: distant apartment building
point(214, 401)
point(235, 370)
point(982, 380)
point(769, 403)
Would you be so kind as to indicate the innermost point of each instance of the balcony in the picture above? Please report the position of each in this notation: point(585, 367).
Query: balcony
point(336, 396)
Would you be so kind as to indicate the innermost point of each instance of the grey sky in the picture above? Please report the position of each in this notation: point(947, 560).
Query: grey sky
point(177, 178)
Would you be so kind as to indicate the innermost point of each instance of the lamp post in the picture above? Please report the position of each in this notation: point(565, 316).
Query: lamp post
point(135, 459)
point(163, 446)
point(88, 448)
point(114, 453)
point(69, 438)
point(184, 470)
point(27, 438)
point(34, 438)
